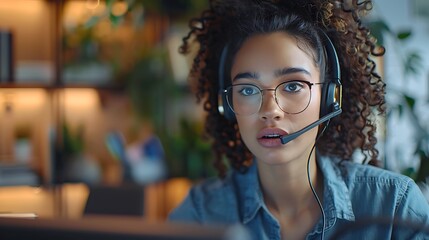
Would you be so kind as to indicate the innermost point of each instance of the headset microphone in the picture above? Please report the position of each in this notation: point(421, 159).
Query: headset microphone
point(292, 136)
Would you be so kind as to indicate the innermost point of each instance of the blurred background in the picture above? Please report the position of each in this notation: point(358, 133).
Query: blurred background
point(95, 104)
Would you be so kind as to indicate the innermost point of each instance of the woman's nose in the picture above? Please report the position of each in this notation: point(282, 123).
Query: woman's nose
point(269, 107)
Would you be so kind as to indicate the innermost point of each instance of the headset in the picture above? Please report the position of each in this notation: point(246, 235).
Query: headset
point(331, 100)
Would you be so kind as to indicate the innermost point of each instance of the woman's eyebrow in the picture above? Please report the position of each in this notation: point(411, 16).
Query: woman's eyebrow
point(277, 73)
point(248, 75)
point(290, 70)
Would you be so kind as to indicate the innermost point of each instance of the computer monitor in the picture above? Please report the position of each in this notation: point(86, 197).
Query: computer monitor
point(111, 228)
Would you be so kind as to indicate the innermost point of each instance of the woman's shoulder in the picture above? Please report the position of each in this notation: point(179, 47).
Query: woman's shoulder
point(364, 181)
point(371, 181)
point(378, 178)
point(365, 173)
point(353, 173)
point(370, 191)
point(365, 178)
point(211, 188)
point(388, 191)
point(207, 201)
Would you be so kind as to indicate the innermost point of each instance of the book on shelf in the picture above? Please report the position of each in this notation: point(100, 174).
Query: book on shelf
point(17, 174)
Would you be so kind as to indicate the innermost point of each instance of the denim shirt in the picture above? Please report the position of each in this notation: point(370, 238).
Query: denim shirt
point(360, 202)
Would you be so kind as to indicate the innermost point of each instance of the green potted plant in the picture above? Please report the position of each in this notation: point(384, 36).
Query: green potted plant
point(406, 106)
point(77, 165)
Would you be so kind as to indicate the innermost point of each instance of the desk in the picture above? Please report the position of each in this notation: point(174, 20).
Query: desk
point(113, 228)
point(68, 200)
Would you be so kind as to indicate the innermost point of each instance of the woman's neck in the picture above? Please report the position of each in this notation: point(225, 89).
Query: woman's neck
point(289, 198)
point(286, 188)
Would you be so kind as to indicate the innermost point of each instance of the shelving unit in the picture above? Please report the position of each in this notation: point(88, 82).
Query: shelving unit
point(38, 100)
point(38, 61)
point(45, 49)
point(21, 133)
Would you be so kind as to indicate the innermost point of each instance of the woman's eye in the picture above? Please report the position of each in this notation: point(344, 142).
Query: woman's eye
point(248, 90)
point(294, 86)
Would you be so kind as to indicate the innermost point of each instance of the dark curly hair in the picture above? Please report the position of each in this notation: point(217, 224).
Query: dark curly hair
point(233, 21)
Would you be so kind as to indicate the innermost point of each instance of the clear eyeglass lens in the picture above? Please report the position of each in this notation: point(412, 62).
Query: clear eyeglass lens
point(292, 97)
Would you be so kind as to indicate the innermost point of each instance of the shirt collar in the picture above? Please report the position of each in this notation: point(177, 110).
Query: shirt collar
point(337, 202)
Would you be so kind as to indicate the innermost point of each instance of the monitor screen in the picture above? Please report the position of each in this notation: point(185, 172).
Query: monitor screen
point(110, 228)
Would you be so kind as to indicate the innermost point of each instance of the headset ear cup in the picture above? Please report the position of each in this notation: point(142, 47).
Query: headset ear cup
point(332, 90)
point(224, 109)
point(328, 98)
point(223, 106)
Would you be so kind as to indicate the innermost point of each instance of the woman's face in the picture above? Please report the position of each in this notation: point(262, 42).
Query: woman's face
point(266, 61)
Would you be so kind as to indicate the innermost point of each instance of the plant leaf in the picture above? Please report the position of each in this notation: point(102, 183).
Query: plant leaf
point(115, 20)
point(410, 101)
point(109, 3)
point(410, 172)
point(377, 29)
point(404, 35)
point(400, 110)
point(413, 63)
point(94, 20)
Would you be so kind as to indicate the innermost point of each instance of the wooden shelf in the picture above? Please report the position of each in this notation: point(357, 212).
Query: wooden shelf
point(25, 85)
point(106, 87)
point(98, 106)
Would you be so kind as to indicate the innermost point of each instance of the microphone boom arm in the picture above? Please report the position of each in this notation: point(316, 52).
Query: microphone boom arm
point(292, 136)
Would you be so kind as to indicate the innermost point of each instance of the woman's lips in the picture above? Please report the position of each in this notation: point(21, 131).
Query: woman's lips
point(270, 137)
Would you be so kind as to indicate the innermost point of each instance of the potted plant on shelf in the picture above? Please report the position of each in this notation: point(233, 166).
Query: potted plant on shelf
point(76, 165)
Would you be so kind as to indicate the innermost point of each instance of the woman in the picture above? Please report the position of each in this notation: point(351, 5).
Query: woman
point(272, 65)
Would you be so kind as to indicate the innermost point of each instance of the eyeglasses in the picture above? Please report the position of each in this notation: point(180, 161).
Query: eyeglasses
point(292, 97)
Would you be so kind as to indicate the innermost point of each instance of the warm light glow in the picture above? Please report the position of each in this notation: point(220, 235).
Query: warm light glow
point(29, 8)
point(37, 190)
point(23, 199)
point(119, 8)
point(24, 99)
point(41, 201)
point(80, 99)
point(77, 12)
point(92, 4)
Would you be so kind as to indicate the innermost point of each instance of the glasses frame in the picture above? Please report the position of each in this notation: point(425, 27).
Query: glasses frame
point(310, 85)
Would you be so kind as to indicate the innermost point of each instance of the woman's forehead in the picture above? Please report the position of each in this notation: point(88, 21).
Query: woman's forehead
point(266, 52)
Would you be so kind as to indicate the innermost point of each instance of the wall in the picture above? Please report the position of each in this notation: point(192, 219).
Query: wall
point(36, 23)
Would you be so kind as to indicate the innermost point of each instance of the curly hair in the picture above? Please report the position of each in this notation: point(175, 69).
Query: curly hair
point(234, 21)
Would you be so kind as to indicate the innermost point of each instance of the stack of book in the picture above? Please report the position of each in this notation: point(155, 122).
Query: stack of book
point(17, 174)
